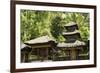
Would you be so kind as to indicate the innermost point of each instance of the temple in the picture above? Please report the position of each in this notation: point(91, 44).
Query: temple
point(73, 44)
point(45, 48)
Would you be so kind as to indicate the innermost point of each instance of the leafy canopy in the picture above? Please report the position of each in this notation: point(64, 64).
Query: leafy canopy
point(39, 23)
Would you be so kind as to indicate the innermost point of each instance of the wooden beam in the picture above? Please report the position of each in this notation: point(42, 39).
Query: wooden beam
point(41, 46)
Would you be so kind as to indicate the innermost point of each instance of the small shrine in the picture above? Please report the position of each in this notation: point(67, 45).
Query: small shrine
point(43, 48)
point(25, 49)
point(73, 43)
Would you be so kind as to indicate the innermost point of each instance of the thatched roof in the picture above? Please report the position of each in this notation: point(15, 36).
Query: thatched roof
point(71, 33)
point(39, 40)
point(75, 44)
point(22, 45)
point(25, 47)
point(70, 24)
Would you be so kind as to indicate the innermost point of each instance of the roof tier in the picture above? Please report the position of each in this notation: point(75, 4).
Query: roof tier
point(77, 43)
point(40, 40)
point(71, 33)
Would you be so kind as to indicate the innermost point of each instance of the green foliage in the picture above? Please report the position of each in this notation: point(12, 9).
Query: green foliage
point(40, 23)
point(56, 29)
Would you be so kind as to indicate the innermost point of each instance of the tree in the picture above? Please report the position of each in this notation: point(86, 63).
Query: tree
point(39, 23)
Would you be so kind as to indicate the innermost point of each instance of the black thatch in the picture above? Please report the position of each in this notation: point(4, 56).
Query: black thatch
point(70, 24)
point(25, 47)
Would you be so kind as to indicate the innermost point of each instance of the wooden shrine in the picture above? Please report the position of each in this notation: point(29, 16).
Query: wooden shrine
point(43, 47)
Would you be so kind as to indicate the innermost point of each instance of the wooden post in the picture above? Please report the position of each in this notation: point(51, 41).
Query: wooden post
point(53, 54)
point(67, 52)
point(44, 54)
point(77, 54)
point(22, 57)
point(38, 55)
point(73, 54)
point(26, 57)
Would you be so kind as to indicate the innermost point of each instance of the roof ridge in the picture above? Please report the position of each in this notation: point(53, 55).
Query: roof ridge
point(42, 39)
